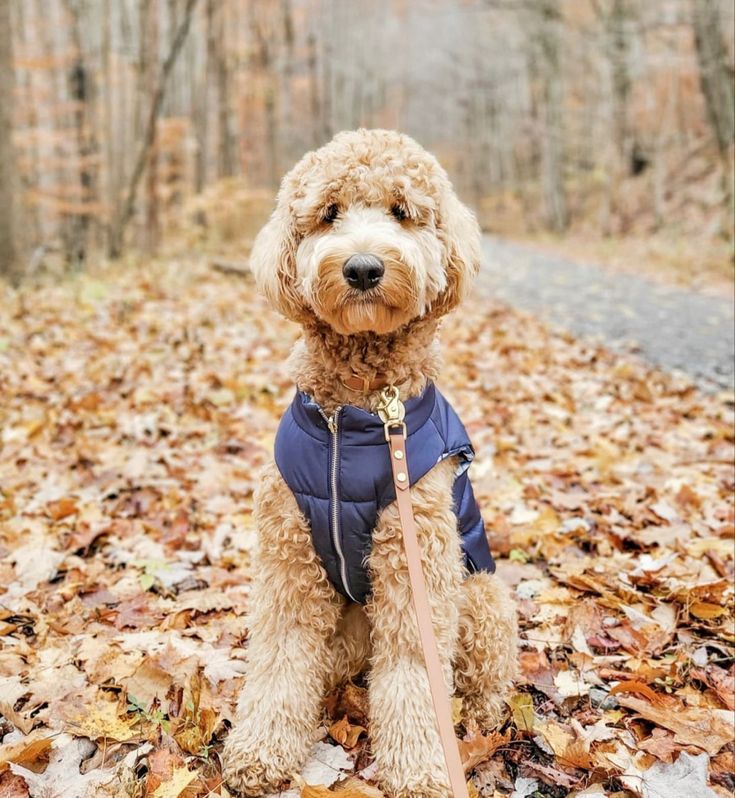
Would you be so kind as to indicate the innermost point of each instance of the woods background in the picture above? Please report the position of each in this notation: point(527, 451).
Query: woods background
point(126, 122)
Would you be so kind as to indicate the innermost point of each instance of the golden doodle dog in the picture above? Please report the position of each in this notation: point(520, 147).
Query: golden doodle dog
point(367, 248)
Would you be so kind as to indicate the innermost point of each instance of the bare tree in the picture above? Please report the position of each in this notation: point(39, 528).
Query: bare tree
point(8, 255)
point(546, 23)
point(80, 81)
point(716, 79)
point(148, 78)
point(546, 114)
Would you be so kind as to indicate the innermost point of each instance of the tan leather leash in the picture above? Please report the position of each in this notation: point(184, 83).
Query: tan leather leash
point(392, 413)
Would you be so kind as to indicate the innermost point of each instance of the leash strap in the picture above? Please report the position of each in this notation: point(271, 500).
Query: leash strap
point(396, 435)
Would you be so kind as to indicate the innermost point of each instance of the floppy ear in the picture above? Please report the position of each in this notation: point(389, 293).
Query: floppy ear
point(459, 231)
point(273, 263)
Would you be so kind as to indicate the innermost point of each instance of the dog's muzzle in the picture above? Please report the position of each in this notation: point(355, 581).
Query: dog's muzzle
point(363, 271)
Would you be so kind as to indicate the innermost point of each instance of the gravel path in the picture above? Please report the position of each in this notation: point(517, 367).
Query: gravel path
point(673, 328)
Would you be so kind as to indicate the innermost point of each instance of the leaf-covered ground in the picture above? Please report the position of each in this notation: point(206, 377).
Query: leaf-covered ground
point(136, 408)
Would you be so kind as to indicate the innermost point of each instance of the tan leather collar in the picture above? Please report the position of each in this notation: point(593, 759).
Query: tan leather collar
point(363, 384)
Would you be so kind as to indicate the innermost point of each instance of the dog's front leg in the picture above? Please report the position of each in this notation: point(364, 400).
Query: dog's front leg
point(293, 615)
point(405, 740)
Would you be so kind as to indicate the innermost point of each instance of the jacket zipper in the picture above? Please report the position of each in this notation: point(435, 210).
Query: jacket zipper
point(333, 425)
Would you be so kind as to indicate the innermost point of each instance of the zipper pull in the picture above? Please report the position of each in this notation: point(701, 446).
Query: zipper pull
point(332, 421)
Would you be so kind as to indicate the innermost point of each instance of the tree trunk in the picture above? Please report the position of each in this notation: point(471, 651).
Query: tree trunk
point(9, 266)
point(226, 158)
point(80, 80)
point(148, 80)
point(717, 87)
point(119, 225)
point(552, 130)
point(714, 75)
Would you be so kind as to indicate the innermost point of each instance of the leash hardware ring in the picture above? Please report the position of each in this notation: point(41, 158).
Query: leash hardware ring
point(392, 411)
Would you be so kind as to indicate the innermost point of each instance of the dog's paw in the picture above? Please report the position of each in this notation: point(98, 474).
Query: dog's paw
point(485, 711)
point(252, 767)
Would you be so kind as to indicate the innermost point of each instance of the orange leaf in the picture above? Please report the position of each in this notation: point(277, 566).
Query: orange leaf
point(345, 733)
point(639, 688)
point(477, 748)
point(61, 508)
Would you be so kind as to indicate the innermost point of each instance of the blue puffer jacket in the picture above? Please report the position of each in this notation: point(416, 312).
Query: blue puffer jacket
point(339, 471)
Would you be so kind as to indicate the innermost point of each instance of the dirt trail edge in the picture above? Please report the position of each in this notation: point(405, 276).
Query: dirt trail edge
point(673, 328)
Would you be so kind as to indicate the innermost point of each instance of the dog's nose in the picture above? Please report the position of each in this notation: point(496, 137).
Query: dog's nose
point(363, 271)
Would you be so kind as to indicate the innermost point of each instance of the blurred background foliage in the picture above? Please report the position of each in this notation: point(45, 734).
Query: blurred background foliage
point(132, 125)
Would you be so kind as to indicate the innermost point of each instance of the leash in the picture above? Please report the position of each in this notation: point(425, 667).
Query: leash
point(392, 413)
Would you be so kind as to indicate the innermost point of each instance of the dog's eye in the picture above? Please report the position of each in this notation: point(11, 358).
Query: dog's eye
point(331, 214)
point(399, 213)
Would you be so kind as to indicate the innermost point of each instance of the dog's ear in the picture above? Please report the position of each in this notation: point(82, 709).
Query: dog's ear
point(273, 263)
point(459, 231)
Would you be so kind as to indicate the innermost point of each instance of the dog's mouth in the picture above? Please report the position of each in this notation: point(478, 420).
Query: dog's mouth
point(373, 296)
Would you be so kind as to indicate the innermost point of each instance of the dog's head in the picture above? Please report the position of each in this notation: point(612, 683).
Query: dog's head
point(367, 234)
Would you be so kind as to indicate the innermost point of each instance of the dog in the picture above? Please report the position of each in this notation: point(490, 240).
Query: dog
point(367, 248)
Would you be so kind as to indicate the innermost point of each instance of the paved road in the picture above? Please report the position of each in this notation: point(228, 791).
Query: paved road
point(673, 328)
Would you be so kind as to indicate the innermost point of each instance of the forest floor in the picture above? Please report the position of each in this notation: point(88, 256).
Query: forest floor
point(137, 407)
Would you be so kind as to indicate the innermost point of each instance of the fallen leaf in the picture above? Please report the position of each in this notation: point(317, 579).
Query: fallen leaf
point(708, 729)
point(62, 778)
point(661, 744)
point(521, 707)
point(194, 727)
point(685, 778)
point(326, 765)
point(524, 787)
point(180, 779)
point(61, 508)
point(476, 748)
point(102, 721)
point(12, 786)
point(570, 684)
point(345, 733)
point(636, 687)
point(26, 750)
point(352, 788)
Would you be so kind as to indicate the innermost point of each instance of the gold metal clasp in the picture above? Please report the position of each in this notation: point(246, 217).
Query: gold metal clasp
point(391, 410)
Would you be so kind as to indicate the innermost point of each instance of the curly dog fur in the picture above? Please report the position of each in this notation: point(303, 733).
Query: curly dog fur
point(378, 192)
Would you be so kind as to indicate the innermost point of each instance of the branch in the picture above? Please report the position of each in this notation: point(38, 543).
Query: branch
point(118, 230)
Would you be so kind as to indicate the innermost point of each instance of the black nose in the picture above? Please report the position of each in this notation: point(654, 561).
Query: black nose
point(363, 271)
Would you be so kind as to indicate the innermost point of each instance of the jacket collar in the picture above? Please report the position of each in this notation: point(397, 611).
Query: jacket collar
point(357, 426)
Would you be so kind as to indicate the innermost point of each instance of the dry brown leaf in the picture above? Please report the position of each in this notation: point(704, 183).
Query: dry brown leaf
point(353, 702)
point(661, 744)
point(345, 733)
point(195, 725)
point(476, 748)
point(26, 751)
point(149, 682)
point(12, 786)
point(720, 681)
point(161, 766)
point(565, 744)
point(707, 729)
point(350, 789)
